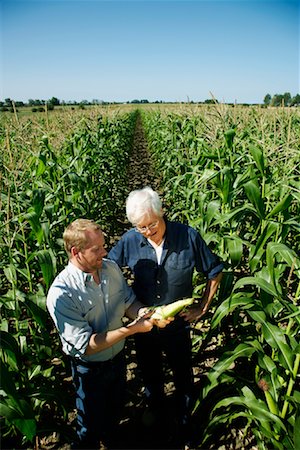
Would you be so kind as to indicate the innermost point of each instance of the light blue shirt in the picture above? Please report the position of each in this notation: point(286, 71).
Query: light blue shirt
point(80, 307)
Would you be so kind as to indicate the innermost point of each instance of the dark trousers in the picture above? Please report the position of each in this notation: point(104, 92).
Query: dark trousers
point(175, 342)
point(100, 394)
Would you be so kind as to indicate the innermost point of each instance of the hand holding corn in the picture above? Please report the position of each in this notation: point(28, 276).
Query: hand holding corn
point(158, 321)
point(142, 324)
point(165, 314)
point(195, 312)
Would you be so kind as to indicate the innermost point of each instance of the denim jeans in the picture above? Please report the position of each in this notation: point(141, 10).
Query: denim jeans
point(100, 393)
point(174, 341)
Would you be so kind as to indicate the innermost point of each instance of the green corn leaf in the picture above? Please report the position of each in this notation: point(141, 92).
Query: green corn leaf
point(11, 274)
point(275, 338)
point(34, 221)
point(234, 246)
point(259, 248)
point(258, 283)
point(281, 206)
point(47, 265)
point(242, 350)
point(7, 381)
point(237, 300)
point(10, 348)
point(229, 137)
point(38, 201)
point(258, 157)
point(226, 285)
point(212, 211)
point(27, 427)
point(254, 196)
point(285, 254)
point(297, 430)
point(40, 315)
point(258, 409)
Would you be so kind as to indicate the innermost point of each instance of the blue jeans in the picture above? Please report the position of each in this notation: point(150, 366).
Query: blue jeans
point(100, 393)
point(175, 342)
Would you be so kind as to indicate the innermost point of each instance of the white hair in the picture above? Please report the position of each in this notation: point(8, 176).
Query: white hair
point(142, 202)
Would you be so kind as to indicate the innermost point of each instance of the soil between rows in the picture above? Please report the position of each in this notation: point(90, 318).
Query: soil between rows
point(134, 431)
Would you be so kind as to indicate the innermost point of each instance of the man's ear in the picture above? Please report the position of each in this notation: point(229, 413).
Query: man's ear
point(74, 252)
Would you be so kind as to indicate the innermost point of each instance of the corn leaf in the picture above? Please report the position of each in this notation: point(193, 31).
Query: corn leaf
point(237, 300)
point(259, 159)
point(281, 206)
point(256, 282)
point(254, 196)
point(242, 350)
point(46, 261)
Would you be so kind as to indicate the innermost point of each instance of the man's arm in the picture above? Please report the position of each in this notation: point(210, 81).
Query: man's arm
point(102, 341)
point(196, 312)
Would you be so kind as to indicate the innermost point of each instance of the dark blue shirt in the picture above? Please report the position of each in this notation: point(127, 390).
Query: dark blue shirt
point(183, 251)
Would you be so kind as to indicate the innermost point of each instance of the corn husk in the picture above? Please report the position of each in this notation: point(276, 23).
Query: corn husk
point(170, 310)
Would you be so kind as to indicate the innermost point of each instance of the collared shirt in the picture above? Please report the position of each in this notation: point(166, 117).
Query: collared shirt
point(183, 251)
point(80, 307)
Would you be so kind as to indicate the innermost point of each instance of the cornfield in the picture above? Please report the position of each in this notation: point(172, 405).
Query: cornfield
point(230, 172)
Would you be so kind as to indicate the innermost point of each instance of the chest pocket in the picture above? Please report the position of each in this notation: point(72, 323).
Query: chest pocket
point(179, 269)
point(179, 261)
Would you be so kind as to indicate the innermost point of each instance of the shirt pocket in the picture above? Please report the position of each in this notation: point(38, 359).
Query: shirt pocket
point(179, 268)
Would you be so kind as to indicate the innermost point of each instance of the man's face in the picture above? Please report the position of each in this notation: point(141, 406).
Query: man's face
point(90, 258)
point(152, 227)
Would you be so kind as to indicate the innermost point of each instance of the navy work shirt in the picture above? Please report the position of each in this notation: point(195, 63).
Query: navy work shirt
point(183, 251)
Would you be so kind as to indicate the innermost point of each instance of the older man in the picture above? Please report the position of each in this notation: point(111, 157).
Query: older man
point(162, 256)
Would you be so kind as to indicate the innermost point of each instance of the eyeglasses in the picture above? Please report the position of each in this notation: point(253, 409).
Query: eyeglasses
point(149, 227)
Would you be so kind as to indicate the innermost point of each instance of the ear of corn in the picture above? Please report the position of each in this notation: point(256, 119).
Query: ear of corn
point(170, 310)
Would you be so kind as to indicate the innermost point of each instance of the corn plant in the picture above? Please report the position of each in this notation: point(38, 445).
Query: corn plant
point(46, 183)
point(233, 174)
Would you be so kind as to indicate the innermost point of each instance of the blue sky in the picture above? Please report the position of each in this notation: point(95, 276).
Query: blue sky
point(167, 50)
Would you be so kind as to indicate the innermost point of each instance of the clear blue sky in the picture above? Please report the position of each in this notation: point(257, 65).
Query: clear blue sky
point(167, 50)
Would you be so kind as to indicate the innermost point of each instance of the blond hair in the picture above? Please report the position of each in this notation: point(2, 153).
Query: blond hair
point(75, 236)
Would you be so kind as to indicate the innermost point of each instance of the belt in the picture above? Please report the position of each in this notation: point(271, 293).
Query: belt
point(98, 364)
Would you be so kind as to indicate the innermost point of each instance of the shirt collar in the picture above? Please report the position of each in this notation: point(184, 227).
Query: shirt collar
point(83, 277)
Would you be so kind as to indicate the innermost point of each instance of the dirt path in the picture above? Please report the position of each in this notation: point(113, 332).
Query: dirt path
point(135, 432)
point(141, 172)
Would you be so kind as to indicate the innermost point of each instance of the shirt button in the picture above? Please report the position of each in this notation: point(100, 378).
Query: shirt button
point(158, 281)
point(158, 296)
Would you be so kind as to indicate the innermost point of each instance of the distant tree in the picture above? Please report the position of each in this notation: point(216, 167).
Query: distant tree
point(210, 101)
point(53, 101)
point(8, 102)
point(287, 98)
point(267, 99)
point(295, 100)
point(277, 100)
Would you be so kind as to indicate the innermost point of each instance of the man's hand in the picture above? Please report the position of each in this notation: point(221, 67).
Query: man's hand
point(141, 324)
point(195, 312)
point(160, 323)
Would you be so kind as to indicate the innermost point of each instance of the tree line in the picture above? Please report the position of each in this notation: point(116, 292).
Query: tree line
point(39, 105)
point(282, 100)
